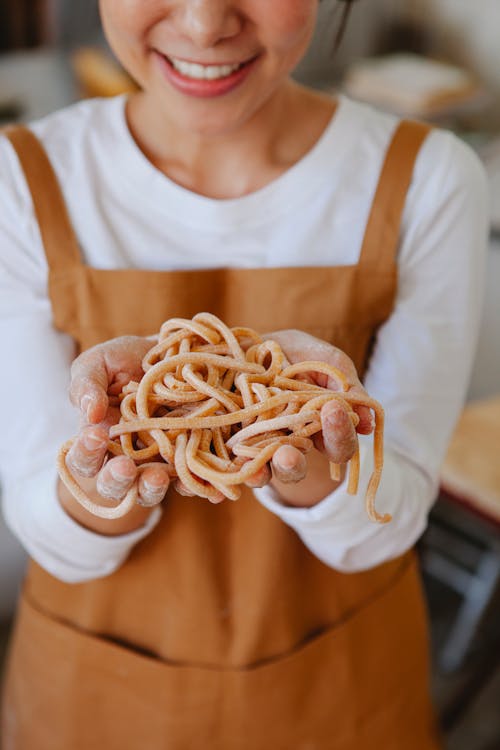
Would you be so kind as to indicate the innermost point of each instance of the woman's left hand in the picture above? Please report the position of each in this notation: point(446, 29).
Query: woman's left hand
point(305, 480)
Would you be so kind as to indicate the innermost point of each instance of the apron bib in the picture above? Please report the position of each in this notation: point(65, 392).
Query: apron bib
point(222, 630)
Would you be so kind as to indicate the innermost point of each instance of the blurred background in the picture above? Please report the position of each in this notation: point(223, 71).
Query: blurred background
point(433, 59)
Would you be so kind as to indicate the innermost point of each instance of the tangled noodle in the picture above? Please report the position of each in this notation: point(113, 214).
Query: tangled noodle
point(215, 403)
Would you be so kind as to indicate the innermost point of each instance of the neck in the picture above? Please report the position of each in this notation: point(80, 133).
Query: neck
point(237, 162)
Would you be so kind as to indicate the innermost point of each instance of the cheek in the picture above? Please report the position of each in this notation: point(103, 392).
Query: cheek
point(125, 28)
point(294, 13)
point(290, 23)
point(129, 19)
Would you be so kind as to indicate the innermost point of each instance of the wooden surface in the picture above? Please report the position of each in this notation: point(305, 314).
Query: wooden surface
point(471, 470)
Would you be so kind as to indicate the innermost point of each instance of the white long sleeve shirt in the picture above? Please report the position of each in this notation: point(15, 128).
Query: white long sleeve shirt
point(129, 215)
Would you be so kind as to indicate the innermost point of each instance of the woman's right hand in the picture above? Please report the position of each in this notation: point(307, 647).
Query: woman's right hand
point(96, 374)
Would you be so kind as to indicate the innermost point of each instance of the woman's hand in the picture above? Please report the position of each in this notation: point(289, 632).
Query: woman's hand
point(96, 374)
point(303, 481)
point(103, 370)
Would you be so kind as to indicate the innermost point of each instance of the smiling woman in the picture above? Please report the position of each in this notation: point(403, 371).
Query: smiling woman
point(173, 49)
point(355, 242)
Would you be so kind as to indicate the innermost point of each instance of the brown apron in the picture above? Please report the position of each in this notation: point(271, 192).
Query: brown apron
point(222, 630)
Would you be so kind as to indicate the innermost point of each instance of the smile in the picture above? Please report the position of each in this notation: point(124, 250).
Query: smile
point(205, 81)
point(203, 72)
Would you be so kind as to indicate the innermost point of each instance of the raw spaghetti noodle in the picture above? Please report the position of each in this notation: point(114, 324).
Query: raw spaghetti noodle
point(215, 403)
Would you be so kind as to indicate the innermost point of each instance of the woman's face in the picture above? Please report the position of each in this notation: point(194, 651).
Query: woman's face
point(209, 65)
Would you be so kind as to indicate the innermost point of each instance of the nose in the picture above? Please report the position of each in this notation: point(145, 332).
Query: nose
point(207, 22)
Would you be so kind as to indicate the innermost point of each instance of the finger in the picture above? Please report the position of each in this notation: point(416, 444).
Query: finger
point(319, 443)
point(121, 379)
point(116, 478)
point(260, 478)
point(366, 421)
point(181, 488)
point(338, 432)
point(89, 384)
point(88, 451)
point(289, 464)
point(113, 416)
point(153, 485)
point(217, 498)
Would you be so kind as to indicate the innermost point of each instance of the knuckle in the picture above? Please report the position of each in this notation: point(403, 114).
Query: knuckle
point(81, 465)
point(109, 489)
point(149, 495)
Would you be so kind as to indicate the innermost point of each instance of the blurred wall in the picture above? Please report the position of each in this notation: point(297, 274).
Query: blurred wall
point(485, 380)
point(12, 564)
point(322, 67)
point(23, 23)
point(75, 21)
point(468, 31)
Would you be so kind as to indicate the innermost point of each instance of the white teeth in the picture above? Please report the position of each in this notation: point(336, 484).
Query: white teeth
point(203, 72)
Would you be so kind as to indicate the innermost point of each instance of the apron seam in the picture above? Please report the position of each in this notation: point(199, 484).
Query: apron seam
point(406, 562)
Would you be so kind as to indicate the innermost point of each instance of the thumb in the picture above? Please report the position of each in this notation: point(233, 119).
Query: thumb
point(338, 433)
point(105, 369)
point(88, 388)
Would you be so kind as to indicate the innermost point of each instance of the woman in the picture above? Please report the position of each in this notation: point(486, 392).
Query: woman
point(287, 619)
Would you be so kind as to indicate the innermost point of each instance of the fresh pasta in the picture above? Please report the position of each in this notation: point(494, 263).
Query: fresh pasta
point(215, 403)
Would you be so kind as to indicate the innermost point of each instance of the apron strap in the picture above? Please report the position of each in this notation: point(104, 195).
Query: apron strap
point(382, 233)
point(382, 230)
point(58, 236)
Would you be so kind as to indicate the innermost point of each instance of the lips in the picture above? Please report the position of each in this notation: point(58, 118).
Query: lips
point(204, 87)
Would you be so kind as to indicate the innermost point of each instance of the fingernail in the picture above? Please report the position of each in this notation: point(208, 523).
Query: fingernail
point(118, 475)
point(151, 486)
point(86, 405)
point(153, 491)
point(149, 502)
point(285, 458)
point(151, 494)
